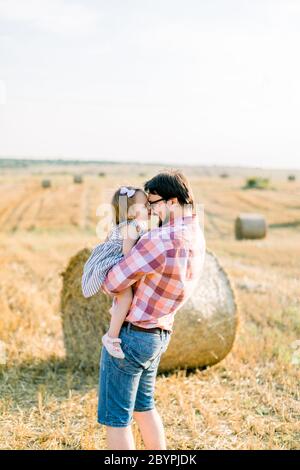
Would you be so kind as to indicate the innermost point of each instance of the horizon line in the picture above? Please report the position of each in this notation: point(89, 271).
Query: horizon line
point(88, 161)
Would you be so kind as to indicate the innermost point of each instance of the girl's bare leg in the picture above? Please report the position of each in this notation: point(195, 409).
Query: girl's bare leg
point(119, 312)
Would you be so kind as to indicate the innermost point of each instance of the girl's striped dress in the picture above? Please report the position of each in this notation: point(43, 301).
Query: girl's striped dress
point(103, 257)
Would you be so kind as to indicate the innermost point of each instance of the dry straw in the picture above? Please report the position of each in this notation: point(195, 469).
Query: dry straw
point(203, 332)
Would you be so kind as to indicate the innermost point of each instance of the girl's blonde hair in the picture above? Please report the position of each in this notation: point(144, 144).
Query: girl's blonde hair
point(121, 204)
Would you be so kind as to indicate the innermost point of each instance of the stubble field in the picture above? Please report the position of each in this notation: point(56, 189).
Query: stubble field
point(250, 400)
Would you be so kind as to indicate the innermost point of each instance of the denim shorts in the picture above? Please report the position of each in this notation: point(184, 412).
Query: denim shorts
point(127, 385)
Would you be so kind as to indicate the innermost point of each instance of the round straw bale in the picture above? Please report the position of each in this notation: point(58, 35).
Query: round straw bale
point(250, 225)
point(203, 331)
point(84, 320)
point(46, 183)
point(77, 179)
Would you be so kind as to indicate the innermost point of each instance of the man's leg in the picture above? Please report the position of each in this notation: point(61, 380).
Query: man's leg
point(151, 428)
point(120, 438)
point(118, 383)
point(145, 412)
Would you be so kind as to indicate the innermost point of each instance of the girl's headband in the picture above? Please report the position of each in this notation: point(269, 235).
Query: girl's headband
point(129, 192)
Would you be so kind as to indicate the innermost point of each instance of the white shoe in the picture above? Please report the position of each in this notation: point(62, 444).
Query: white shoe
point(112, 346)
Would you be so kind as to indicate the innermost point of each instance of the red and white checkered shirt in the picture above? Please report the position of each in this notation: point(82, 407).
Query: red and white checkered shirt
point(163, 268)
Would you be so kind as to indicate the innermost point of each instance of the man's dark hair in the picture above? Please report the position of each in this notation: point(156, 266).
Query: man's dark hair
point(171, 183)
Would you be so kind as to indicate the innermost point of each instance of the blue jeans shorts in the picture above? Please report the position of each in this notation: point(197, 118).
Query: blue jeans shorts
point(127, 385)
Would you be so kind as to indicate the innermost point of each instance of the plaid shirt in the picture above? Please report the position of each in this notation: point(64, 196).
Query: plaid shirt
point(163, 269)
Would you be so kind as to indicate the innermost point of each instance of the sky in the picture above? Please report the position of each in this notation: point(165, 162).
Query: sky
point(197, 82)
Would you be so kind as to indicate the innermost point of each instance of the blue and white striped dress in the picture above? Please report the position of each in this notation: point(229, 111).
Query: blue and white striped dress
point(103, 257)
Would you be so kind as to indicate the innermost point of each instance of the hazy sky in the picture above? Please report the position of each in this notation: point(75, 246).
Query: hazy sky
point(190, 81)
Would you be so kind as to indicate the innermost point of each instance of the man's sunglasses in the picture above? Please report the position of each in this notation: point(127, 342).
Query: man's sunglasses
point(154, 202)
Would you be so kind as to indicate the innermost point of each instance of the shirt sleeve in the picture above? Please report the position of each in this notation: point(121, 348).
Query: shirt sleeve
point(146, 256)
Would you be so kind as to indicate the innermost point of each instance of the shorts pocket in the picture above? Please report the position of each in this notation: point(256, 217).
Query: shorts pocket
point(128, 365)
point(147, 350)
point(143, 352)
point(145, 341)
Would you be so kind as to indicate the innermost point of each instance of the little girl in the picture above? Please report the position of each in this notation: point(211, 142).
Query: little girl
point(131, 215)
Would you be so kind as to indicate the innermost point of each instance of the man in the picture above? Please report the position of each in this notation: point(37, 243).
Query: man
point(163, 268)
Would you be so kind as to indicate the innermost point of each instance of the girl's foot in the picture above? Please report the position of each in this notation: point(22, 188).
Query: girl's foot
point(112, 346)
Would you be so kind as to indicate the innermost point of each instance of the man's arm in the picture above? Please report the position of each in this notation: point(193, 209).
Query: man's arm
point(147, 256)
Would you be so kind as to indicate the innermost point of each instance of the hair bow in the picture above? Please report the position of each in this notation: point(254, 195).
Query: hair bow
point(125, 190)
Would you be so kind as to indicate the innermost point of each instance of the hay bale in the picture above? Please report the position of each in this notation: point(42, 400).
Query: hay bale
point(77, 179)
point(204, 328)
point(84, 320)
point(46, 183)
point(250, 226)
